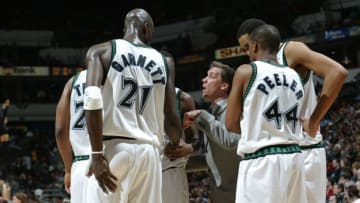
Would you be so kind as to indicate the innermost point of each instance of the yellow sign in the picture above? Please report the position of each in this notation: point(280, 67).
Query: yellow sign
point(228, 52)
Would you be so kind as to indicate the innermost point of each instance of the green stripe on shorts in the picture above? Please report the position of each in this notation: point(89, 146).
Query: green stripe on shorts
point(318, 145)
point(276, 149)
point(81, 158)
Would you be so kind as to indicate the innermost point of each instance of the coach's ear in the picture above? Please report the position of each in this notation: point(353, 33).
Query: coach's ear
point(224, 86)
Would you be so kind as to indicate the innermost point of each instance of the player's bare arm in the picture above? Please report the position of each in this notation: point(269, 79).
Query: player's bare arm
point(234, 108)
point(98, 61)
point(184, 148)
point(188, 104)
point(172, 119)
point(333, 73)
point(62, 123)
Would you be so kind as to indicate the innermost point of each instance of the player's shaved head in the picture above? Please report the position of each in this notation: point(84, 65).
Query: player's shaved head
point(138, 22)
point(268, 37)
point(138, 17)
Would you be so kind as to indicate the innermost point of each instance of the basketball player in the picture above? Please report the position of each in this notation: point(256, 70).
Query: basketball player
point(72, 136)
point(127, 118)
point(306, 61)
point(264, 106)
point(175, 187)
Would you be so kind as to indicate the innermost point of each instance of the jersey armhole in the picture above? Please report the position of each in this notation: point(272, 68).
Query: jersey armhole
point(283, 45)
point(252, 79)
point(307, 77)
point(76, 76)
point(178, 103)
point(113, 52)
point(166, 66)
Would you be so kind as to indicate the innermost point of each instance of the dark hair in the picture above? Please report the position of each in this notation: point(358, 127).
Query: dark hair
point(268, 37)
point(227, 72)
point(248, 26)
point(352, 191)
point(340, 186)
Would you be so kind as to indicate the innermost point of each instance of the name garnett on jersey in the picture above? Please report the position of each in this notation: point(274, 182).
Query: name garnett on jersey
point(157, 75)
point(268, 83)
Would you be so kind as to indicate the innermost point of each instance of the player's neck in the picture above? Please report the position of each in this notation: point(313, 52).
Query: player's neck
point(268, 58)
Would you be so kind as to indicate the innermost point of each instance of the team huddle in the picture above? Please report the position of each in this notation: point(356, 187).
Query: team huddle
point(121, 124)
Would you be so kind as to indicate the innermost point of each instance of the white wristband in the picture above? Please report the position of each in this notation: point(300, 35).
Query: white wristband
point(93, 98)
point(98, 152)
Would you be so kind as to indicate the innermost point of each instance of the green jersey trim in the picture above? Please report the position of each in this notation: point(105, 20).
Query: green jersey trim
point(276, 149)
point(252, 79)
point(166, 66)
point(178, 103)
point(76, 76)
point(307, 77)
point(81, 158)
point(113, 49)
point(282, 47)
point(317, 145)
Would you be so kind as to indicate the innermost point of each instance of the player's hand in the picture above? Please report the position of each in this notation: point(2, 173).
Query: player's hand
point(189, 118)
point(67, 181)
point(310, 127)
point(175, 152)
point(101, 170)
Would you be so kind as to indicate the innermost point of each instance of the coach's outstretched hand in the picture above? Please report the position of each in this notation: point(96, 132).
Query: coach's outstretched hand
point(100, 168)
point(190, 117)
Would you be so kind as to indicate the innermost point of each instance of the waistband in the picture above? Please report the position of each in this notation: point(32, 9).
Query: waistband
point(111, 137)
point(131, 140)
point(313, 146)
point(172, 167)
point(81, 158)
point(274, 149)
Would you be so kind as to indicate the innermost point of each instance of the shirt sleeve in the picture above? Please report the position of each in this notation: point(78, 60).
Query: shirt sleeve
point(216, 131)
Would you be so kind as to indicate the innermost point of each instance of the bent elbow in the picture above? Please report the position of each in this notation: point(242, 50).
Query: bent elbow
point(339, 72)
point(343, 73)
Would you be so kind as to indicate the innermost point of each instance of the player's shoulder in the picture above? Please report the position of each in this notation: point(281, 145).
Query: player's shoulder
point(99, 48)
point(245, 69)
point(295, 46)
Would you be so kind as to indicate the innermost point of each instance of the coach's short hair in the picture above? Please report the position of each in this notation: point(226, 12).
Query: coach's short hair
point(248, 26)
point(268, 37)
point(227, 73)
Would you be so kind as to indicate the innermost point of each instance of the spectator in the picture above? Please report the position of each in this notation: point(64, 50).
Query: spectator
point(355, 167)
point(352, 194)
point(20, 197)
point(339, 192)
point(336, 172)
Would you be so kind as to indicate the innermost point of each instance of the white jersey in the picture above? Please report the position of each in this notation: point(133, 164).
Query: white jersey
point(271, 108)
point(134, 92)
point(79, 137)
point(310, 98)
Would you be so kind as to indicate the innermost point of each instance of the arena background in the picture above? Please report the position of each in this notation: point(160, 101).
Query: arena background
point(42, 44)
